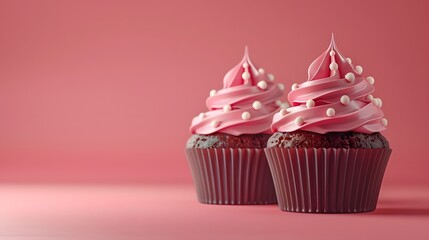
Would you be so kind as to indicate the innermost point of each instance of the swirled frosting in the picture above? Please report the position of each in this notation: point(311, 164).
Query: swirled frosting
point(245, 105)
point(335, 98)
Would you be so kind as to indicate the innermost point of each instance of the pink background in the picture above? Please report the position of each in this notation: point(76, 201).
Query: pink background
point(104, 91)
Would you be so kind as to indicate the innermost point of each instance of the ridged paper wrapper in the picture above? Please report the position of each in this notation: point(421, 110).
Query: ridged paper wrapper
point(233, 176)
point(327, 180)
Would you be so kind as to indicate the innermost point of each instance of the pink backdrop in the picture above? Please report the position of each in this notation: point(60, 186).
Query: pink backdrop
point(104, 91)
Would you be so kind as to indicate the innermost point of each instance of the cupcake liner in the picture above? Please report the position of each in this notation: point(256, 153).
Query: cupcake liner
point(231, 176)
point(327, 180)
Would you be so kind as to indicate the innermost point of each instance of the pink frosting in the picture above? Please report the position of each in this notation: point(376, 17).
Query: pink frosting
point(245, 105)
point(330, 84)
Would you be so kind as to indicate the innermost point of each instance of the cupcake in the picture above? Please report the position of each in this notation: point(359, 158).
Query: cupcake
point(327, 154)
point(225, 152)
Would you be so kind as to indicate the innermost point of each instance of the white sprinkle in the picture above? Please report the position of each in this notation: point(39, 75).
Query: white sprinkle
point(384, 122)
point(330, 112)
point(310, 103)
point(227, 108)
point(215, 123)
point(283, 112)
point(350, 77)
point(278, 102)
point(261, 71)
point(295, 86)
point(349, 60)
point(299, 121)
point(345, 99)
point(256, 105)
point(270, 76)
point(332, 53)
point(359, 69)
point(281, 86)
point(369, 97)
point(284, 105)
point(212, 93)
point(380, 102)
point(202, 116)
point(262, 85)
point(370, 80)
point(245, 65)
point(245, 116)
point(333, 66)
point(245, 75)
point(377, 102)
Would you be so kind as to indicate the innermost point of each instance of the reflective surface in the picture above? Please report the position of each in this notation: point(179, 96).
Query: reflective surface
point(172, 212)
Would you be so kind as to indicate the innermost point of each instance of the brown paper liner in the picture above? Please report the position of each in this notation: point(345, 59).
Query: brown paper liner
point(327, 180)
point(231, 176)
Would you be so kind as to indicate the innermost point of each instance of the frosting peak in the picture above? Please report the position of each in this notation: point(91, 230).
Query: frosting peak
point(330, 63)
point(335, 98)
point(245, 105)
point(243, 74)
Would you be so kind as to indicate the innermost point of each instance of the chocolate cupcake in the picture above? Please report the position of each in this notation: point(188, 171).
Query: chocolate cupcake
point(225, 152)
point(328, 155)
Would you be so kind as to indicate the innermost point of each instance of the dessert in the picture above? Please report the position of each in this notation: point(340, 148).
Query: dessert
point(225, 152)
point(327, 154)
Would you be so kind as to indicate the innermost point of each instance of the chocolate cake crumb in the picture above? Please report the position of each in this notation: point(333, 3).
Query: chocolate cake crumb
point(223, 140)
point(305, 139)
